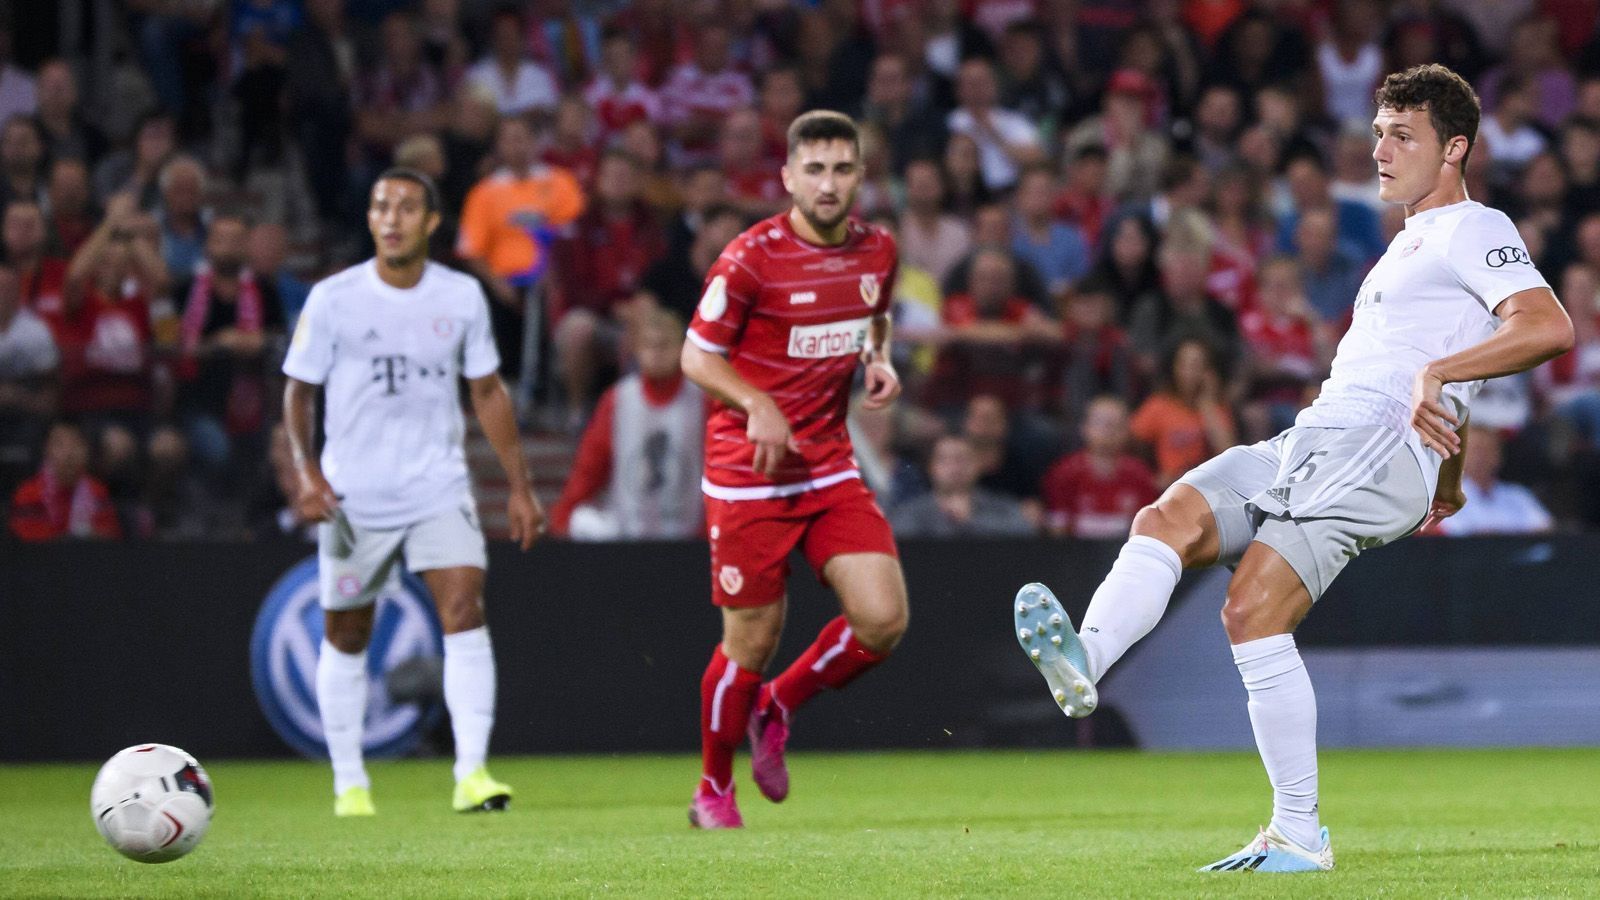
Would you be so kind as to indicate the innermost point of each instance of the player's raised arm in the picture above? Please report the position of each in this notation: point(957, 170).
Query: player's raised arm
point(768, 430)
point(492, 405)
point(1534, 329)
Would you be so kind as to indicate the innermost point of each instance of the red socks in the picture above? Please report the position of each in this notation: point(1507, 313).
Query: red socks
point(727, 693)
point(833, 661)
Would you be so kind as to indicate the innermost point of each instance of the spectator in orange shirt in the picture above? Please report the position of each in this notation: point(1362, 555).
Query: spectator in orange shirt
point(511, 216)
point(64, 500)
point(508, 224)
point(1185, 422)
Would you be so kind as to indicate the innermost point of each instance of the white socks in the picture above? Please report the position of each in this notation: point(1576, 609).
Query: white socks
point(469, 694)
point(342, 700)
point(1283, 713)
point(1129, 602)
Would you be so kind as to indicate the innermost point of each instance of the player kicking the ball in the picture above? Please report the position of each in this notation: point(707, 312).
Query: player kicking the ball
point(389, 342)
point(789, 308)
point(1452, 302)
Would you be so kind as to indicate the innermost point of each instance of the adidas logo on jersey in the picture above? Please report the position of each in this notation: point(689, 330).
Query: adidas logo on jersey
point(1281, 495)
point(371, 335)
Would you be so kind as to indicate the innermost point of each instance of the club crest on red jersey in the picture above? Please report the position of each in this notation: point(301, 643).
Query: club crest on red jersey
point(869, 289)
point(731, 579)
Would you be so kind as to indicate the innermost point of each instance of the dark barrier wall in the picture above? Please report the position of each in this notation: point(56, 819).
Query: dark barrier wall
point(601, 647)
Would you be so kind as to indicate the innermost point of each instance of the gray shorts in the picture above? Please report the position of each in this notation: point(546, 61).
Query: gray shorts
point(1318, 496)
point(355, 564)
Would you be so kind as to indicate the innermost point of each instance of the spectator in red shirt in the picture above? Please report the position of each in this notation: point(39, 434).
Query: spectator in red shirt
point(1096, 492)
point(572, 145)
point(1289, 349)
point(1084, 200)
point(699, 94)
point(637, 475)
point(104, 330)
point(781, 96)
point(754, 185)
point(599, 268)
point(40, 278)
point(63, 500)
point(995, 341)
point(617, 94)
point(72, 216)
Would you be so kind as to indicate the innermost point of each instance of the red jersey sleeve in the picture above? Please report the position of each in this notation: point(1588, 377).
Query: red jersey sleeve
point(591, 471)
point(731, 289)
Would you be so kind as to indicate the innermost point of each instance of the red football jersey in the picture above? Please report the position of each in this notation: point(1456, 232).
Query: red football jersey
point(1087, 504)
point(792, 318)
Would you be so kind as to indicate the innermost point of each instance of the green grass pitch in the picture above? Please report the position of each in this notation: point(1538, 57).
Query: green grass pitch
point(1522, 823)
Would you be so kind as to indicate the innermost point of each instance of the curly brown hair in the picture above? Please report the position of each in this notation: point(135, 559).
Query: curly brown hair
point(1451, 103)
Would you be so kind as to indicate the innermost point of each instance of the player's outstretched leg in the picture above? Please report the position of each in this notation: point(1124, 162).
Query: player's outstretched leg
point(1045, 632)
point(727, 692)
point(872, 591)
point(1175, 533)
point(342, 703)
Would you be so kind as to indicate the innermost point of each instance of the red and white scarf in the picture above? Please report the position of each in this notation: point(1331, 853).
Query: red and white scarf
point(248, 313)
point(75, 515)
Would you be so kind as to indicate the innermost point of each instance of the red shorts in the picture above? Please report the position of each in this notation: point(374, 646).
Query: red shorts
point(751, 539)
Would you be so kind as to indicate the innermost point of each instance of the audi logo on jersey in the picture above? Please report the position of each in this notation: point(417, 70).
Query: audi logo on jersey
point(1503, 256)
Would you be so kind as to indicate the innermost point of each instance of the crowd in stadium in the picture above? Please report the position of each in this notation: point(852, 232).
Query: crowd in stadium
point(1131, 234)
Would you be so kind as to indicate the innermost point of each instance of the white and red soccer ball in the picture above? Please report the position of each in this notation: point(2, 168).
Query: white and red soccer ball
point(152, 802)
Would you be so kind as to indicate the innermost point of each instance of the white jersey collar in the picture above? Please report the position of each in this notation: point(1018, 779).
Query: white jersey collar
point(1429, 215)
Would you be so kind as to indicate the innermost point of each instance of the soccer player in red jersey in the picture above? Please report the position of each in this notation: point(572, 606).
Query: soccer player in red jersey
point(788, 309)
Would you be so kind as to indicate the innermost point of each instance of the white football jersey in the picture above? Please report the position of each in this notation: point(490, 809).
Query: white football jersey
point(391, 363)
point(1432, 293)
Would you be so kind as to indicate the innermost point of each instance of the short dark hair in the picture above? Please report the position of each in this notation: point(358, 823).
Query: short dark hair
point(430, 191)
point(1452, 105)
point(823, 125)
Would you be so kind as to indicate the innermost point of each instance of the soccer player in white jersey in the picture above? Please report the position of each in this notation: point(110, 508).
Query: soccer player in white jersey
point(1452, 302)
point(389, 341)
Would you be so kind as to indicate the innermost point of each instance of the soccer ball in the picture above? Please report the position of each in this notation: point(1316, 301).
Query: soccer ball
point(152, 803)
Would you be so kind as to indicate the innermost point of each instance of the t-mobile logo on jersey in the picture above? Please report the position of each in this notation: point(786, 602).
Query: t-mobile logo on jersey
point(828, 339)
point(394, 370)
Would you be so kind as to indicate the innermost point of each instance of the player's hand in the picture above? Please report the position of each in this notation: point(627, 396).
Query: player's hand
point(526, 517)
point(769, 431)
point(883, 383)
point(1446, 503)
point(1431, 418)
point(317, 501)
